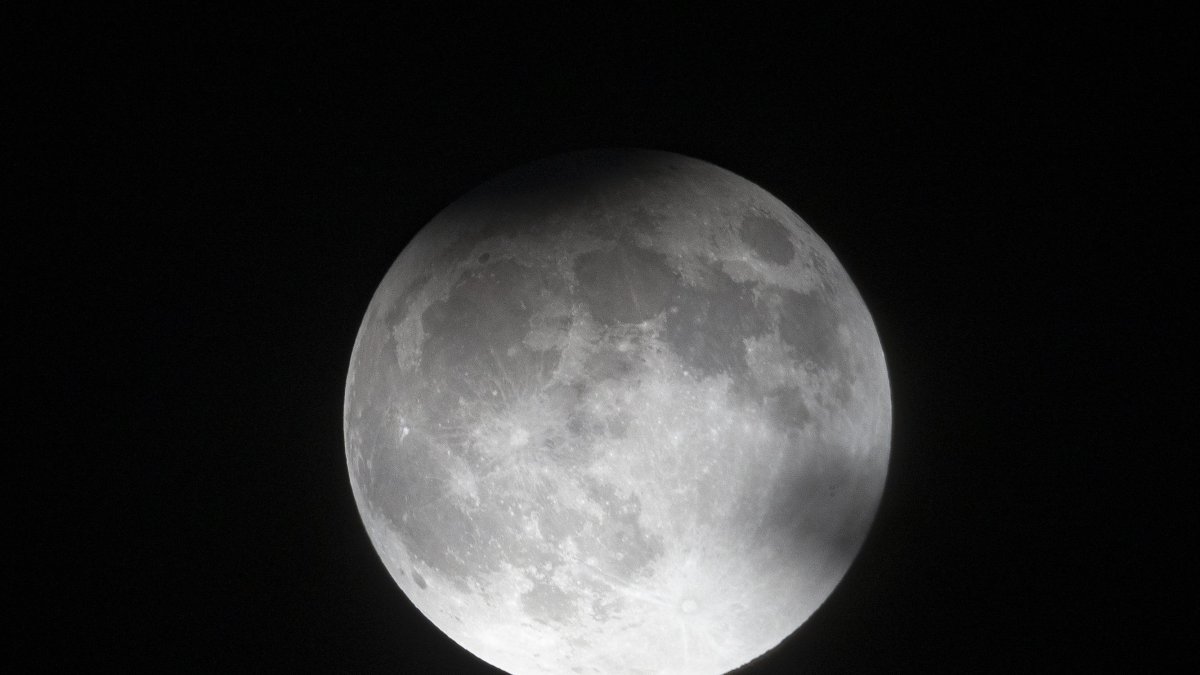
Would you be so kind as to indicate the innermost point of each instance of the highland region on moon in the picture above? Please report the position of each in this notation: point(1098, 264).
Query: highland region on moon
point(617, 412)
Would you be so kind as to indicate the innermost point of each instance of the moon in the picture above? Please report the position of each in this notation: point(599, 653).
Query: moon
point(617, 411)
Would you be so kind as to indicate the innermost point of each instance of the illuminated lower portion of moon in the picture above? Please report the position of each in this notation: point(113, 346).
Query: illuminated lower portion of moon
point(617, 412)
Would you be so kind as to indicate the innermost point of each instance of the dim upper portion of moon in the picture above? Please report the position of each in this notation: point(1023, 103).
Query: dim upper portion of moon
point(617, 412)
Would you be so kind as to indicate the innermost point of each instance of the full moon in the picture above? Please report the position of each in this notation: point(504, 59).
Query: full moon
point(617, 412)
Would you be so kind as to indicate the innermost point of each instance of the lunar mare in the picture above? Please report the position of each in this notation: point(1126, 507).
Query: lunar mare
point(617, 412)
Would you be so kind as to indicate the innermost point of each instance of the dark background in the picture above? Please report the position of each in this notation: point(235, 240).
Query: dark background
point(207, 200)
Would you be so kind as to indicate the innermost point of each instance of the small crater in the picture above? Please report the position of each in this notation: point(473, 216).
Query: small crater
point(484, 257)
point(419, 579)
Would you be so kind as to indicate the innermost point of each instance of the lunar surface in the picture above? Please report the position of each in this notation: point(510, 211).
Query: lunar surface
point(617, 412)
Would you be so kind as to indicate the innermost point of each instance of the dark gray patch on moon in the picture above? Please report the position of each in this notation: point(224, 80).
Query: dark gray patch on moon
point(768, 239)
point(639, 220)
point(586, 427)
point(787, 409)
point(548, 604)
point(487, 313)
point(400, 306)
point(809, 325)
point(625, 283)
point(610, 364)
point(811, 511)
point(474, 338)
point(544, 199)
point(706, 325)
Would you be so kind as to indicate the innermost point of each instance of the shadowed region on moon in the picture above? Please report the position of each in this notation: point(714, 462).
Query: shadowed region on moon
point(617, 412)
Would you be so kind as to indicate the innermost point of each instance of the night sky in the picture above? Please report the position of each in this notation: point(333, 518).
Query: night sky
point(207, 201)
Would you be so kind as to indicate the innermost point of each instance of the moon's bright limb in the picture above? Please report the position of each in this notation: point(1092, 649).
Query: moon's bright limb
point(617, 412)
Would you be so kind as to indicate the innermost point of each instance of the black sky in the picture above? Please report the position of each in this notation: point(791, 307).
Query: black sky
point(208, 199)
